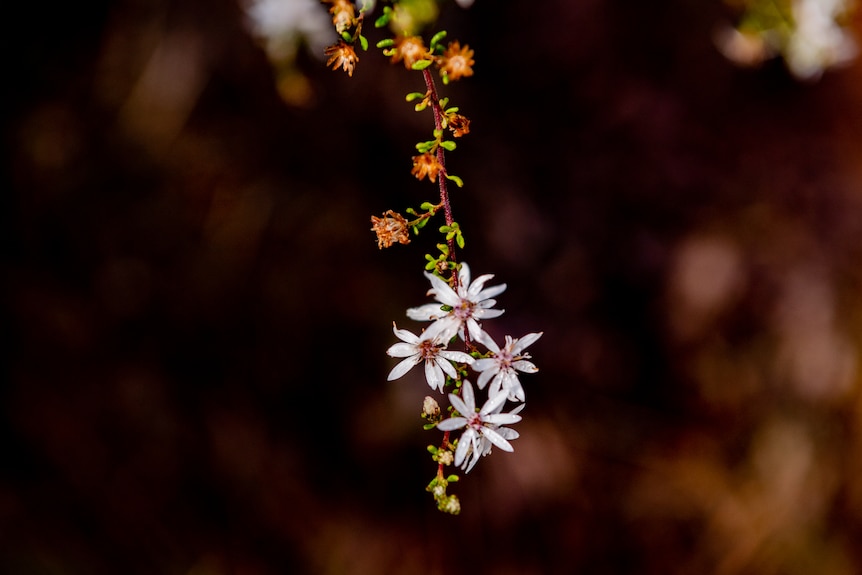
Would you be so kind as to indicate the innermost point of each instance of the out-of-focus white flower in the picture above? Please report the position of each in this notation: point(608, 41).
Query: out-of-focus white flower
point(818, 42)
point(281, 24)
point(481, 425)
point(428, 347)
point(502, 367)
point(472, 302)
point(464, 3)
point(810, 38)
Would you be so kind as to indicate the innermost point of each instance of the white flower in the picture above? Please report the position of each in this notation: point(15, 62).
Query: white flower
point(506, 433)
point(281, 24)
point(470, 303)
point(429, 347)
point(480, 426)
point(502, 367)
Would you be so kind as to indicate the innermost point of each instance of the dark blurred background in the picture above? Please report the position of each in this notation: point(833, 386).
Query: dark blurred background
point(197, 313)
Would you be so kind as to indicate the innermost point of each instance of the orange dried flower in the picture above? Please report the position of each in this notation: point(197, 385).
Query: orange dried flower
point(457, 62)
point(410, 49)
point(342, 54)
point(391, 228)
point(426, 165)
point(459, 124)
point(343, 15)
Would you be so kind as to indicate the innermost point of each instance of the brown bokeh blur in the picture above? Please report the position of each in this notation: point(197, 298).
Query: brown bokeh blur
point(195, 378)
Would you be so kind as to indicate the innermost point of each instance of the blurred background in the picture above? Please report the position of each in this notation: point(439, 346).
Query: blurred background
point(197, 313)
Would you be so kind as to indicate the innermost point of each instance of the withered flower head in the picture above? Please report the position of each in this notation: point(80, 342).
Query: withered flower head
point(391, 228)
point(426, 165)
point(342, 54)
point(410, 49)
point(459, 124)
point(343, 15)
point(457, 62)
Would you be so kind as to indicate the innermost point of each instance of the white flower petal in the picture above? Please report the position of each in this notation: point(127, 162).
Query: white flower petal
point(434, 375)
point(526, 342)
point(447, 367)
point(460, 406)
point(492, 404)
point(468, 397)
point(403, 367)
point(496, 439)
point(452, 424)
point(427, 312)
point(402, 349)
point(404, 335)
point(525, 366)
point(502, 418)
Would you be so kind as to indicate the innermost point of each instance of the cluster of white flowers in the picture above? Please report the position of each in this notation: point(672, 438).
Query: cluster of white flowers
point(810, 37)
point(459, 313)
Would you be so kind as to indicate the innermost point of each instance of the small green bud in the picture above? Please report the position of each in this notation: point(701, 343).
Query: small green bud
point(414, 96)
point(363, 41)
point(386, 43)
point(458, 181)
point(421, 64)
point(448, 145)
point(443, 102)
point(452, 478)
point(436, 38)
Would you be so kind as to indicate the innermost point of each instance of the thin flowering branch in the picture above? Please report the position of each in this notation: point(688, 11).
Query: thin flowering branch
point(461, 304)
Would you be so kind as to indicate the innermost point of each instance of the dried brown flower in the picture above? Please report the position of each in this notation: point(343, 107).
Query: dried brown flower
point(342, 54)
point(457, 62)
point(426, 165)
point(459, 124)
point(391, 228)
point(410, 49)
point(343, 14)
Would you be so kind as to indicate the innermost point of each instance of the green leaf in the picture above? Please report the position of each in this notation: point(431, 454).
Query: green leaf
point(445, 229)
point(452, 478)
point(459, 239)
point(427, 206)
point(443, 102)
point(384, 18)
point(458, 181)
point(386, 43)
point(363, 41)
point(414, 96)
point(436, 38)
point(432, 449)
point(444, 249)
point(421, 64)
point(428, 426)
point(421, 105)
point(346, 37)
point(452, 110)
point(448, 146)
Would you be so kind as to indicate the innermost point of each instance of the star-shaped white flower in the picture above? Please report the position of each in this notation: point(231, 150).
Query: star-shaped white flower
point(471, 303)
point(502, 367)
point(481, 425)
point(507, 433)
point(430, 347)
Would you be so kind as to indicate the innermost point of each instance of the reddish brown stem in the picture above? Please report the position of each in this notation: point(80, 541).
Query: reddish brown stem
point(441, 159)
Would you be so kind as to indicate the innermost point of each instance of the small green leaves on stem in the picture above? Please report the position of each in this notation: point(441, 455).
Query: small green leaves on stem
point(453, 231)
point(435, 46)
point(384, 18)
